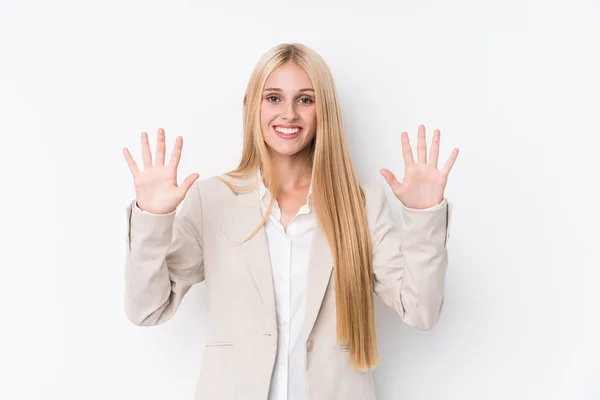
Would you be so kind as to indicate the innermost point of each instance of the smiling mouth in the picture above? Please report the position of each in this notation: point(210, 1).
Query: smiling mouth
point(287, 131)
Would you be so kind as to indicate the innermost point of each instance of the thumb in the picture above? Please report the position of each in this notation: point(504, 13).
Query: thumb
point(187, 183)
point(391, 179)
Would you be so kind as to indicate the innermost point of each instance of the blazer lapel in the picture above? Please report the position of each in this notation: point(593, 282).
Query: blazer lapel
point(320, 266)
point(239, 219)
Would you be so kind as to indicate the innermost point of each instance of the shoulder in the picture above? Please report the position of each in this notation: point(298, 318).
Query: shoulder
point(377, 206)
point(374, 194)
point(221, 188)
point(211, 187)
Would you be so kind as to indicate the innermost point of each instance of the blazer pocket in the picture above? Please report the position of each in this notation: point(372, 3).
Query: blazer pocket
point(219, 344)
point(217, 375)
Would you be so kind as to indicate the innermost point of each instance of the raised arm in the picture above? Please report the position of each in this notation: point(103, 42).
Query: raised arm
point(164, 246)
point(410, 264)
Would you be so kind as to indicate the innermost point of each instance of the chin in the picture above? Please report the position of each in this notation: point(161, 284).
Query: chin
point(285, 147)
point(285, 150)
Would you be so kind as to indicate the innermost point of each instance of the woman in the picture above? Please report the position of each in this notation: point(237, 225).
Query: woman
point(290, 246)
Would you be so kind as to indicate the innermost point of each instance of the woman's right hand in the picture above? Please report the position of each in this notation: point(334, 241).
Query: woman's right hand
point(156, 189)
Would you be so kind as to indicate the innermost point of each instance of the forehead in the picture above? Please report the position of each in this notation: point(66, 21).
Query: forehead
point(289, 76)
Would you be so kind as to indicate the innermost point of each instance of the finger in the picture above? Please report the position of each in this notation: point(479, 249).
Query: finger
point(176, 154)
point(131, 163)
point(160, 148)
point(146, 154)
point(434, 152)
point(391, 180)
point(187, 183)
point(421, 146)
point(406, 150)
point(450, 163)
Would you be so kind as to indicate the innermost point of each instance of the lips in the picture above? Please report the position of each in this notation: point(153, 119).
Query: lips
point(287, 132)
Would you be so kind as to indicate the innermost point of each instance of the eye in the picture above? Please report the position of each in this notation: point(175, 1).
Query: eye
point(307, 102)
point(272, 98)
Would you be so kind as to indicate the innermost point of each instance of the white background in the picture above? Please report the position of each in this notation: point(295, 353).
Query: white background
point(513, 84)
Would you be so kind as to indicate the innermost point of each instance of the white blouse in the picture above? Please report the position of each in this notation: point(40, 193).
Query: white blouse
point(289, 251)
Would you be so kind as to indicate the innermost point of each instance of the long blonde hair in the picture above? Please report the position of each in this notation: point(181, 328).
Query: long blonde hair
point(337, 198)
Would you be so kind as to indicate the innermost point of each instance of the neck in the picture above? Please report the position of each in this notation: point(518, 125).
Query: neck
point(292, 171)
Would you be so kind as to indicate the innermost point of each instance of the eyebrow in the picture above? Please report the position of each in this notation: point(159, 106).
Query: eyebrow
point(279, 90)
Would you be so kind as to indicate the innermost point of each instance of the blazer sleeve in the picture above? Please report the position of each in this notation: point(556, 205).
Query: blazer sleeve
point(410, 264)
point(164, 259)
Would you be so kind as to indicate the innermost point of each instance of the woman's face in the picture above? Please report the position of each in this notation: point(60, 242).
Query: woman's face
point(288, 114)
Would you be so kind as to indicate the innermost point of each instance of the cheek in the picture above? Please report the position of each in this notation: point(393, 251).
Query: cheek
point(310, 116)
point(266, 114)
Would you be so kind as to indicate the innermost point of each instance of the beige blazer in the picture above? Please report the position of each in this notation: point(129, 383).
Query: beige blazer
point(168, 254)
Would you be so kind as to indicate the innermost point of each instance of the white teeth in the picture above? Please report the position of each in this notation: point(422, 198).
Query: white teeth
point(287, 131)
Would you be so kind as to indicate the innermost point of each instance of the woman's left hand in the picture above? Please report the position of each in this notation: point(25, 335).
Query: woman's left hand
point(423, 184)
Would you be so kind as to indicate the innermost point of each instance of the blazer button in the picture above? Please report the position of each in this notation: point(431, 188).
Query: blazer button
point(309, 345)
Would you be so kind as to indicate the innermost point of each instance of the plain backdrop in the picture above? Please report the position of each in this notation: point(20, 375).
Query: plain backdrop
point(513, 84)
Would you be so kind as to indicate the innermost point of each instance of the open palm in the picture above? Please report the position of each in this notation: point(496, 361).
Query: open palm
point(423, 184)
point(156, 185)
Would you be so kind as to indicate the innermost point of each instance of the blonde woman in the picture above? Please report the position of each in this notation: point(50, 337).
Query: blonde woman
point(291, 247)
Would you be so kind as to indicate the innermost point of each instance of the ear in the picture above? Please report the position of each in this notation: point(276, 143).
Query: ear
point(245, 100)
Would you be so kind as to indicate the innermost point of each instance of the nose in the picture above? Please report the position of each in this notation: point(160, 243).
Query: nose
point(289, 111)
